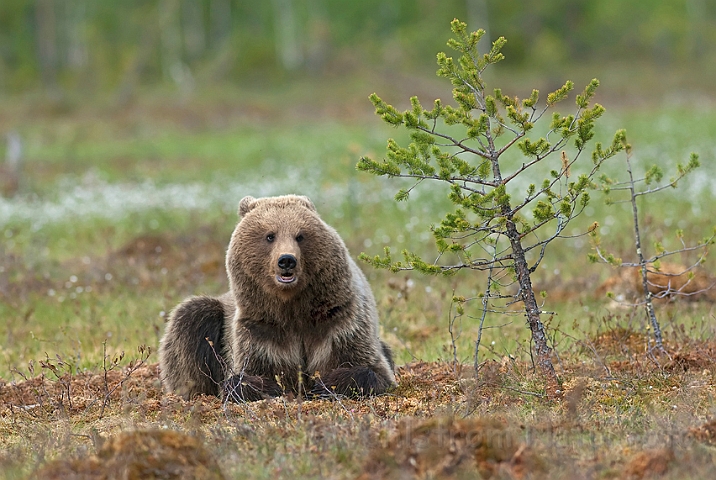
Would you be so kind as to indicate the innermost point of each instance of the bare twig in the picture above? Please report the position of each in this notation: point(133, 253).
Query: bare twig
point(644, 263)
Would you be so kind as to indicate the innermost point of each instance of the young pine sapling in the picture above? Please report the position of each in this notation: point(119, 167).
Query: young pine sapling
point(502, 223)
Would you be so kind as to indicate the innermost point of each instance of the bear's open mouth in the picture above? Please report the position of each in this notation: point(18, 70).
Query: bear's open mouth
point(286, 278)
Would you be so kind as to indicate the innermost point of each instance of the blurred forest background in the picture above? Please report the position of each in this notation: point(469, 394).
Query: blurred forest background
point(100, 46)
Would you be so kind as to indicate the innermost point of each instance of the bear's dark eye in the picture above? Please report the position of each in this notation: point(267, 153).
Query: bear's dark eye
point(299, 238)
point(270, 237)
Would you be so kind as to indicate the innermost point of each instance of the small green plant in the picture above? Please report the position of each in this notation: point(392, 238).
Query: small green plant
point(673, 281)
point(502, 223)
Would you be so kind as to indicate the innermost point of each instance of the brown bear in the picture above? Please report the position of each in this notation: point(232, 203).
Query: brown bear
point(299, 318)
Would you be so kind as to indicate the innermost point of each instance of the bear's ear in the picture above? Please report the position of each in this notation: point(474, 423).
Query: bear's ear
point(246, 205)
point(307, 202)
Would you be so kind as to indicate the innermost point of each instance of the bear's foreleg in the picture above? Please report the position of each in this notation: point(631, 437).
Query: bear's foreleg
point(352, 382)
point(242, 387)
point(190, 353)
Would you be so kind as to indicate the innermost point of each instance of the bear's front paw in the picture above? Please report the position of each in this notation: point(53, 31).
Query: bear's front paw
point(250, 388)
point(351, 382)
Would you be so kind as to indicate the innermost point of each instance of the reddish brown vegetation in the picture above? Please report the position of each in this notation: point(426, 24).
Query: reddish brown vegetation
point(145, 261)
point(453, 448)
point(82, 393)
point(669, 282)
point(649, 464)
point(147, 255)
point(705, 433)
point(139, 455)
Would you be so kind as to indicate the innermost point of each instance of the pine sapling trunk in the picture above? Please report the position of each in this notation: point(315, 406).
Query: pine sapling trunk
point(527, 294)
point(532, 309)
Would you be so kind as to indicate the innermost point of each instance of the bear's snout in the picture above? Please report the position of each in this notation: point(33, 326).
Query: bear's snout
point(286, 262)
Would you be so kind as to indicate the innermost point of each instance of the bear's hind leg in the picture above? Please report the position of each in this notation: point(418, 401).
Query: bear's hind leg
point(388, 354)
point(190, 353)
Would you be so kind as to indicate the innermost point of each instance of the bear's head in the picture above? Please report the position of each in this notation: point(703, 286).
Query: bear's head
point(280, 247)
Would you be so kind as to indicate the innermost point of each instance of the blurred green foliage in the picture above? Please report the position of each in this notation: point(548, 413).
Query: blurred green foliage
point(95, 45)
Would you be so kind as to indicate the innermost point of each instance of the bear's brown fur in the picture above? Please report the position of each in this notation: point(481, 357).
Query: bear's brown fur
point(300, 316)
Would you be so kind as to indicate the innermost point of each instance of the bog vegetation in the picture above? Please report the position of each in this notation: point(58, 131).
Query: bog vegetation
point(123, 211)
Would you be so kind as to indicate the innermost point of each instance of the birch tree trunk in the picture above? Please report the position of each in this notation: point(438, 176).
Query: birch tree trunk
point(288, 44)
point(45, 16)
